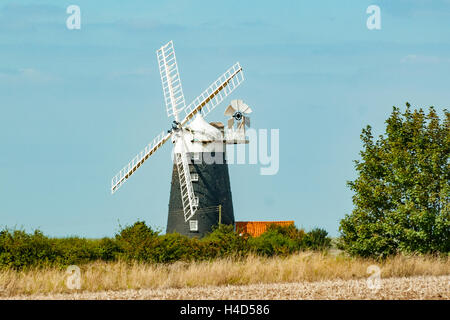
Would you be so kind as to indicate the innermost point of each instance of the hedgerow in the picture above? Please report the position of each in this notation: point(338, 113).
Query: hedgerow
point(139, 242)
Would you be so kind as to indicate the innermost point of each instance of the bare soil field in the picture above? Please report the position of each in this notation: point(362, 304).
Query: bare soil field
point(422, 287)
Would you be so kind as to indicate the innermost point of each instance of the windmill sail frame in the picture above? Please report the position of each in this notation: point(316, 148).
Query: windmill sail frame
point(170, 79)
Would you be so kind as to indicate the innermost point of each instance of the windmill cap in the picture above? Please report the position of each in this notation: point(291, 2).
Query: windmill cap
point(199, 124)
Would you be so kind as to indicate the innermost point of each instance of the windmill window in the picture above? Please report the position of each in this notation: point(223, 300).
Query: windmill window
point(193, 225)
point(196, 156)
point(194, 177)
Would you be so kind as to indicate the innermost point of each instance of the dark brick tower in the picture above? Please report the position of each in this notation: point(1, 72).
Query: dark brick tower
point(212, 189)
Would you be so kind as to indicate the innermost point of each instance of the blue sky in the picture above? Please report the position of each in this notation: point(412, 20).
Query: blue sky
point(77, 105)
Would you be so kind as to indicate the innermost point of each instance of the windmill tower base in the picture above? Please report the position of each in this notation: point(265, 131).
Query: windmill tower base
point(212, 189)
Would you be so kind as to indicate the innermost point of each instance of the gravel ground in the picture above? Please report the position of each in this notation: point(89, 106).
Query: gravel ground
point(428, 287)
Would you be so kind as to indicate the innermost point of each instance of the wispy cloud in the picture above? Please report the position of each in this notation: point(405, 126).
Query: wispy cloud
point(138, 72)
point(156, 26)
point(31, 75)
point(250, 23)
point(423, 59)
point(139, 25)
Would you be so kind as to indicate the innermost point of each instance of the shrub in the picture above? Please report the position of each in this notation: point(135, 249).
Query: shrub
point(223, 241)
point(137, 242)
point(74, 250)
point(317, 239)
point(174, 247)
point(108, 249)
point(274, 241)
point(19, 249)
point(290, 231)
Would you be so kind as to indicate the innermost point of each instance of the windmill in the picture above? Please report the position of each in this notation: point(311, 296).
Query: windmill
point(191, 136)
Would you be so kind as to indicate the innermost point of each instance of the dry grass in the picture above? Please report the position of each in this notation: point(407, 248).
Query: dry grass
point(302, 267)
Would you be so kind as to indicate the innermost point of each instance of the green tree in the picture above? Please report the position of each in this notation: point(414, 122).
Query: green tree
point(402, 190)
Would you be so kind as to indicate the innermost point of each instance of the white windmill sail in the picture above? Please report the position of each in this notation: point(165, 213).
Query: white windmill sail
point(184, 174)
point(138, 160)
point(215, 93)
point(170, 78)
